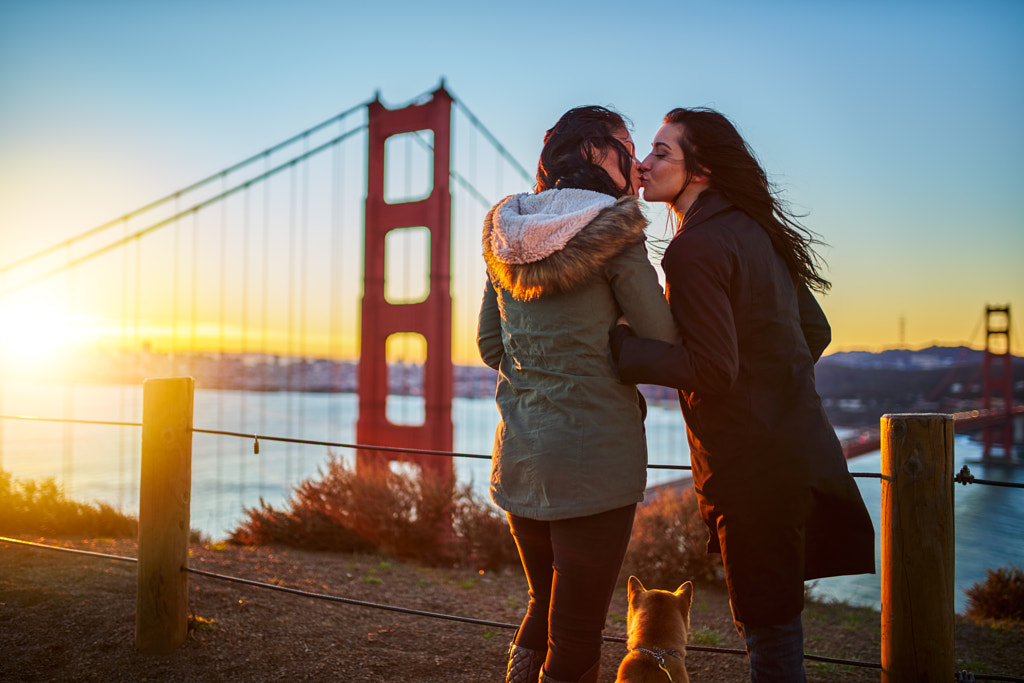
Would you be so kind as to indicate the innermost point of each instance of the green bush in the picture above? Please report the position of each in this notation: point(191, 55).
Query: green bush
point(41, 508)
point(669, 542)
point(1000, 596)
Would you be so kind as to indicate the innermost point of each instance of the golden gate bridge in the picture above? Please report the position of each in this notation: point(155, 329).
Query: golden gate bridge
point(358, 238)
point(345, 258)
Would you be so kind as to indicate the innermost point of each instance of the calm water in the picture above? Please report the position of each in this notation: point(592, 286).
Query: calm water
point(101, 463)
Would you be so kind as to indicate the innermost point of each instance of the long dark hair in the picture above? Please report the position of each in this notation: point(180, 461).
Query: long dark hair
point(711, 144)
point(573, 146)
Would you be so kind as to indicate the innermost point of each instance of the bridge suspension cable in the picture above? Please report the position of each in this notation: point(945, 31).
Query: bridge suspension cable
point(527, 176)
point(183, 191)
point(224, 194)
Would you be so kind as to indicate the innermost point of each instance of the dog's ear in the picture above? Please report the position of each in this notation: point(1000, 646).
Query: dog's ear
point(685, 592)
point(635, 587)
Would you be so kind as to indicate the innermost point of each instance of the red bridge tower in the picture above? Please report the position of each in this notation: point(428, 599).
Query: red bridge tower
point(997, 379)
point(431, 317)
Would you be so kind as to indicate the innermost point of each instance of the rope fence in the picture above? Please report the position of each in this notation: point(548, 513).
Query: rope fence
point(963, 477)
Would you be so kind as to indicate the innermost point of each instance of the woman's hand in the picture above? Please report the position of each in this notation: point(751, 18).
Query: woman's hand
point(617, 336)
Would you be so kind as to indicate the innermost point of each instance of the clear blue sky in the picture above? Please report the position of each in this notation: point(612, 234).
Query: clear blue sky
point(897, 126)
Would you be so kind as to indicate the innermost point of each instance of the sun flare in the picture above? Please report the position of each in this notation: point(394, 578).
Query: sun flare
point(37, 335)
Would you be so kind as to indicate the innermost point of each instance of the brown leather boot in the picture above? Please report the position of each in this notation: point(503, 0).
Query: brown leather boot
point(523, 664)
point(589, 677)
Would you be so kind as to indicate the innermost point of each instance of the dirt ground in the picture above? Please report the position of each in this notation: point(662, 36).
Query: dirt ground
point(69, 617)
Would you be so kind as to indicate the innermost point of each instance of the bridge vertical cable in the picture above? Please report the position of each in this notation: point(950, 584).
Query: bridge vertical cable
point(175, 289)
point(264, 324)
point(303, 298)
point(244, 331)
point(221, 323)
point(125, 393)
point(483, 172)
point(335, 349)
point(67, 446)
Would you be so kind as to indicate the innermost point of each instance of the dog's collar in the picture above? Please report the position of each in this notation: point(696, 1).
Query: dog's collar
point(659, 653)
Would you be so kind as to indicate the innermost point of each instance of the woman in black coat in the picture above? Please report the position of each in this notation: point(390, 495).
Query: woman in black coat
point(771, 479)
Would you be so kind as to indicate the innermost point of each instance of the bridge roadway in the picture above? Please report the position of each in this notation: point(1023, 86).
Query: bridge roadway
point(870, 440)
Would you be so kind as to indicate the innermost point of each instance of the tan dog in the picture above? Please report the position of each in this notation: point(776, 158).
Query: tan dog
point(656, 630)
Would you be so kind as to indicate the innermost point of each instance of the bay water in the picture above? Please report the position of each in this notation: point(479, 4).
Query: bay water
point(100, 463)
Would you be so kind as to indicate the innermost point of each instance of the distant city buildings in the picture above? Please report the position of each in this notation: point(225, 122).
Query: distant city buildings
point(856, 387)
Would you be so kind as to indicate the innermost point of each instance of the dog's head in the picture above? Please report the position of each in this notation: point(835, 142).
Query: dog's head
point(658, 611)
point(657, 625)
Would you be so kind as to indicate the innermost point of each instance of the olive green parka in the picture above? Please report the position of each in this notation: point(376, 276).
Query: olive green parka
point(563, 265)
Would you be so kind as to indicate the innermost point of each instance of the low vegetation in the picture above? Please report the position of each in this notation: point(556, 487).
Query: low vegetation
point(42, 509)
point(396, 514)
point(670, 542)
point(999, 597)
point(388, 512)
point(401, 515)
point(406, 517)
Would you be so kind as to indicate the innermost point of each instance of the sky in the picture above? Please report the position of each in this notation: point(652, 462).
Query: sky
point(893, 127)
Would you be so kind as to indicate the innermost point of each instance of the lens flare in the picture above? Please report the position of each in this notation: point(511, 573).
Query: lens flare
point(37, 336)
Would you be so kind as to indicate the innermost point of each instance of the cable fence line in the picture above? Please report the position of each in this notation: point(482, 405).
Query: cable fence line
point(480, 622)
point(349, 601)
point(461, 619)
point(30, 418)
point(964, 476)
point(958, 676)
point(74, 551)
point(371, 447)
point(400, 610)
point(916, 522)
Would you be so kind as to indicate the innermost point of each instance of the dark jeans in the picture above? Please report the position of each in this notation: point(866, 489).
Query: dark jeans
point(776, 652)
point(571, 566)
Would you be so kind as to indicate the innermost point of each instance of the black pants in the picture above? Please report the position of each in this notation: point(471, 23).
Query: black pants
point(571, 566)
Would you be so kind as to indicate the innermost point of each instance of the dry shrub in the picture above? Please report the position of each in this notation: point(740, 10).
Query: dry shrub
point(41, 508)
point(1000, 596)
point(669, 541)
point(404, 516)
point(482, 534)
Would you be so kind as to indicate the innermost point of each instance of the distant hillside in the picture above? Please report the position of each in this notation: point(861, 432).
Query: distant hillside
point(859, 387)
point(905, 359)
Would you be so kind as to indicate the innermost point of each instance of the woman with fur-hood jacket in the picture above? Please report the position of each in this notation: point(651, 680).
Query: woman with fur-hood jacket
point(571, 440)
point(570, 457)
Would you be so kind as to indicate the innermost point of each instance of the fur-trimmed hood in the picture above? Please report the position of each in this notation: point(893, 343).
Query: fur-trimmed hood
point(557, 240)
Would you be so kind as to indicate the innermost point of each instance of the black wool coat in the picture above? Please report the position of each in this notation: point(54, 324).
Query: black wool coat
point(771, 479)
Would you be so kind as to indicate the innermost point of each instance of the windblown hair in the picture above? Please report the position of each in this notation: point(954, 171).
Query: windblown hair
point(574, 146)
point(712, 145)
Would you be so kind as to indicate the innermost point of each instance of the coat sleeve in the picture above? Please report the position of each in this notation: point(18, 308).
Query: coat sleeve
point(488, 330)
point(813, 323)
point(634, 283)
point(699, 274)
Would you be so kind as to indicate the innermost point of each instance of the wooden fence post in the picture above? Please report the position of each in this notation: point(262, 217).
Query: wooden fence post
point(917, 548)
point(161, 611)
